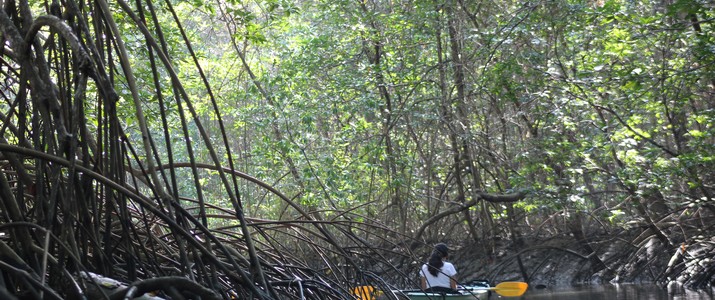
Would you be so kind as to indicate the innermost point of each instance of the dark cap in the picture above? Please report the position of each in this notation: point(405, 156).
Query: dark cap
point(442, 248)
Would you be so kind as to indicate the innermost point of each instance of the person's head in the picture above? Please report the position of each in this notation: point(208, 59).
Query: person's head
point(435, 263)
point(442, 249)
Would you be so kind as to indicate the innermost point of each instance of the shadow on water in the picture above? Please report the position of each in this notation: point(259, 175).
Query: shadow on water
point(614, 292)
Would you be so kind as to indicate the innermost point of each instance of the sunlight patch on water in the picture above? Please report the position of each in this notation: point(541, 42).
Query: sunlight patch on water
point(616, 292)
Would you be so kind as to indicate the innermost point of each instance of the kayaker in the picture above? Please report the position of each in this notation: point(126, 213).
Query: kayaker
point(437, 275)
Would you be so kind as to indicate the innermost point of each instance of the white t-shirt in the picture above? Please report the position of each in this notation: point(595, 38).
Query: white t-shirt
point(442, 278)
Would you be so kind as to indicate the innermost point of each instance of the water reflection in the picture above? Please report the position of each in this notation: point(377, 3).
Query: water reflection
point(614, 292)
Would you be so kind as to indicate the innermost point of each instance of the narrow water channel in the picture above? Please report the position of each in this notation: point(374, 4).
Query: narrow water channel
point(614, 292)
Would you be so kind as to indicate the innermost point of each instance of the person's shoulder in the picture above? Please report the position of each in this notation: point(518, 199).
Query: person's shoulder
point(449, 268)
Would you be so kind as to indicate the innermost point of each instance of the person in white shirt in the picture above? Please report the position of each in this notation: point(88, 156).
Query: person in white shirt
point(437, 275)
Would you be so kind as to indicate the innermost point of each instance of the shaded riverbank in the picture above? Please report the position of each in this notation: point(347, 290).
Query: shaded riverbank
point(617, 257)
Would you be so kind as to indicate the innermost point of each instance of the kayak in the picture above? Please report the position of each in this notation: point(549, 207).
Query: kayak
point(471, 294)
point(473, 291)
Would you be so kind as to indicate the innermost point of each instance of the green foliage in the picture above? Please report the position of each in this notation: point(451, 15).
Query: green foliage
point(585, 103)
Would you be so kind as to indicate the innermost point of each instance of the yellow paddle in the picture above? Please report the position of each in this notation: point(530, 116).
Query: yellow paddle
point(366, 292)
point(510, 288)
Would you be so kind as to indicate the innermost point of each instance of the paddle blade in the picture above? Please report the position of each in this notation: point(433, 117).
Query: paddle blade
point(366, 292)
point(511, 288)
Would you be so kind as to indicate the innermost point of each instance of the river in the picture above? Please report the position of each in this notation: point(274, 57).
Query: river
point(614, 292)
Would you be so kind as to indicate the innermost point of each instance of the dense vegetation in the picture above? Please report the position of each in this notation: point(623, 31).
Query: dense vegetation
point(288, 149)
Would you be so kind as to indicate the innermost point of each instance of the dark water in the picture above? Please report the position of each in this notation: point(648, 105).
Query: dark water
point(614, 292)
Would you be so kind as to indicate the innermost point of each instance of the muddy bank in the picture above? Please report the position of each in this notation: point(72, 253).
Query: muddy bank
point(618, 257)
